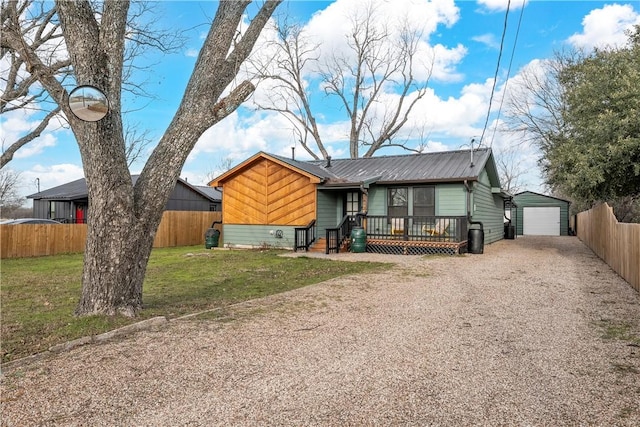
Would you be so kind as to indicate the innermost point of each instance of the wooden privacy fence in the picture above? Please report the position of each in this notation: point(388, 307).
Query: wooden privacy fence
point(177, 228)
point(618, 244)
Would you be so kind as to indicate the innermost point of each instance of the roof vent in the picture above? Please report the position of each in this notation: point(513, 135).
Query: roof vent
point(328, 165)
point(471, 151)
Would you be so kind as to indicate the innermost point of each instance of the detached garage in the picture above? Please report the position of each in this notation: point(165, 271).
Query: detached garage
point(540, 215)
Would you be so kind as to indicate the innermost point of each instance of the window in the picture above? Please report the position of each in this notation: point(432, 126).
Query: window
point(424, 201)
point(352, 203)
point(52, 210)
point(398, 202)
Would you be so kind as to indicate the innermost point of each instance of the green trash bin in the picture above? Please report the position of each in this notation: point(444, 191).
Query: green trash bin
point(211, 238)
point(358, 240)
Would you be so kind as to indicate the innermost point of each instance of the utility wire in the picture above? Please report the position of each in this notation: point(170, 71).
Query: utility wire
point(495, 79)
point(504, 89)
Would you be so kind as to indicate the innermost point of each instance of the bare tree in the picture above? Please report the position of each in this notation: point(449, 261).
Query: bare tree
point(359, 79)
point(536, 102)
point(10, 200)
point(221, 167)
point(36, 25)
point(39, 30)
point(123, 218)
point(510, 169)
point(137, 140)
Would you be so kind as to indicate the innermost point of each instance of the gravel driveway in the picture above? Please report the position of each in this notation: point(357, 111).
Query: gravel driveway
point(534, 332)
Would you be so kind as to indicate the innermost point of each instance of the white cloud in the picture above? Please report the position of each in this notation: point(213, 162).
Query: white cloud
point(454, 117)
point(606, 27)
point(37, 146)
point(238, 137)
point(434, 146)
point(500, 5)
point(445, 61)
point(488, 40)
point(330, 28)
point(15, 124)
point(192, 53)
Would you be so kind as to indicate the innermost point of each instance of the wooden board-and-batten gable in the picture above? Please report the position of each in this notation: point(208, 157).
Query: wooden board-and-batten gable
point(264, 190)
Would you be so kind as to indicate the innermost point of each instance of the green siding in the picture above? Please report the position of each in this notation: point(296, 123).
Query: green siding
point(329, 210)
point(257, 236)
point(451, 200)
point(488, 208)
point(531, 199)
point(377, 201)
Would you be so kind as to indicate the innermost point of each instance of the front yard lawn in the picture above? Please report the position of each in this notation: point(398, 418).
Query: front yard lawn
point(38, 295)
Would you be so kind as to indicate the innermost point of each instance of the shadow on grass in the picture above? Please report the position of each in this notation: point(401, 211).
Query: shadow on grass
point(39, 295)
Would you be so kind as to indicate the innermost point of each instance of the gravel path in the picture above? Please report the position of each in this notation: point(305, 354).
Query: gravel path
point(534, 332)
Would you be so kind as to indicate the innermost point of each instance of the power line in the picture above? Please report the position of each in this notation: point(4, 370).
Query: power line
point(504, 89)
point(495, 78)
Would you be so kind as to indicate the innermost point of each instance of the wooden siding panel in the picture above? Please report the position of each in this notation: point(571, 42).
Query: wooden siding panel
point(268, 193)
point(291, 196)
point(292, 200)
point(239, 210)
point(245, 200)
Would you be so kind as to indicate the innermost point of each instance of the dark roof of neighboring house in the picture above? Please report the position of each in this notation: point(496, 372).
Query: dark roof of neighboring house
point(211, 192)
point(70, 191)
point(426, 167)
point(77, 189)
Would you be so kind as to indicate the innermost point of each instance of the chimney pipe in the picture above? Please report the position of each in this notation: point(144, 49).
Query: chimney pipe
point(328, 165)
point(471, 151)
point(293, 153)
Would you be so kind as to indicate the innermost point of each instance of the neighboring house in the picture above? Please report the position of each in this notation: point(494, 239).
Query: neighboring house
point(541, 215)
point(418, 203)
point(68, 202)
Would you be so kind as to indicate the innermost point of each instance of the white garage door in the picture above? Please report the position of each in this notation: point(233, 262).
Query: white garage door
point(541, 221)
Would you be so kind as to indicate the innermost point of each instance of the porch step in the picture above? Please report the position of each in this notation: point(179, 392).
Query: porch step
point(320, 245)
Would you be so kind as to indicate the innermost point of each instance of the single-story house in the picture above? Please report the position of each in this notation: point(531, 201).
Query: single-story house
point(417, 203)
point(69, 202)
point(541, 215)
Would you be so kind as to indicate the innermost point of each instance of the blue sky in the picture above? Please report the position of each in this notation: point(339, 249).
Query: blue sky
point(465, 36)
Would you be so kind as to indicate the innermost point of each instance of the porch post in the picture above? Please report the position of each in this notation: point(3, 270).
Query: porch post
point(365, 199)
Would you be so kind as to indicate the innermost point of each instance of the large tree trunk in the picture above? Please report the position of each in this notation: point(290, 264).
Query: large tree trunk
point(123, 218)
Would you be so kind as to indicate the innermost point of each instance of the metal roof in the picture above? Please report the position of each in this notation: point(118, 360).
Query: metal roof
point(77, 189)
point(70, 191)
point(426, 167)
point(313, 167)
point(211, 192)
point(437, 166)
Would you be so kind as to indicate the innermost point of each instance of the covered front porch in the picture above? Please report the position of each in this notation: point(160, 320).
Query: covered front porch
point(401, 235)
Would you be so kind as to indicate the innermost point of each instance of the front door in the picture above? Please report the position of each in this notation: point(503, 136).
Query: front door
point(80, 214)
point(352, 203)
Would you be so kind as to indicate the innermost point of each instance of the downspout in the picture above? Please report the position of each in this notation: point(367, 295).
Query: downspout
point(469, 220)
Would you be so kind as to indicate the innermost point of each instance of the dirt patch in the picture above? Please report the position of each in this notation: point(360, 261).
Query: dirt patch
point(536, 331)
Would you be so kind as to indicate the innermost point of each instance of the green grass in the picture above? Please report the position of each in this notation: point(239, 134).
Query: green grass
point(38, 295)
